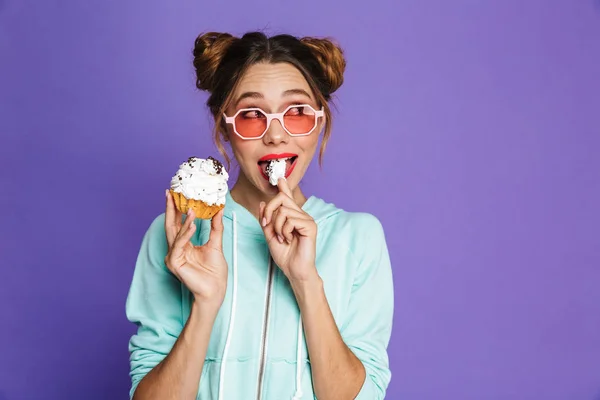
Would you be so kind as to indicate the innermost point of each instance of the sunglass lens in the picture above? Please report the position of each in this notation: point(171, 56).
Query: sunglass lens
point(251, 123)
point(299, 120)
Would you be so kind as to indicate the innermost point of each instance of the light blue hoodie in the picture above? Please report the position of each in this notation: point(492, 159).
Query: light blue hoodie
point(257, 348)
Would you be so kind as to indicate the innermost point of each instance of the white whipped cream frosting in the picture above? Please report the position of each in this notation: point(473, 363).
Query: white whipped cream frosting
point(276, 170)
point(202, 179)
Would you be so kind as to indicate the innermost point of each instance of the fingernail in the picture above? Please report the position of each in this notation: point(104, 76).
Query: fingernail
point(166, 192)
point(264, 222)
point(280, 239)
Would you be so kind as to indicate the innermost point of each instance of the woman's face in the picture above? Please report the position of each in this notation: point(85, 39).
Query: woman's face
point(272, 88)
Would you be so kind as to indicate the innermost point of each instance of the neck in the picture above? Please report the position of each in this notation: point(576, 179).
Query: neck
point(248, 196)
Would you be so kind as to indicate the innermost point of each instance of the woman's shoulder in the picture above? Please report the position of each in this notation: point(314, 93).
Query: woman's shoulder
point(360, 225)
point(157, 225)
point(154, 236)
point(322, 210)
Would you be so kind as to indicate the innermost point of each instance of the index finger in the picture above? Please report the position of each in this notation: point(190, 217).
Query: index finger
point(281, 199)
point(283, 186)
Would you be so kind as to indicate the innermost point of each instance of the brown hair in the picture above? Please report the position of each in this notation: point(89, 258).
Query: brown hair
point(221, 59)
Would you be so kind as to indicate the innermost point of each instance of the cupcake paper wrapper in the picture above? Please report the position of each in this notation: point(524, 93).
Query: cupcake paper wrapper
point(201, 209)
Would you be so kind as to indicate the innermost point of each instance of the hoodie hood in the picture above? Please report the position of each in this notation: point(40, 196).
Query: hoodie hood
point(318, 209)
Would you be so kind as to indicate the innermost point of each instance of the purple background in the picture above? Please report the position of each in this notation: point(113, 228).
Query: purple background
point(479, 123)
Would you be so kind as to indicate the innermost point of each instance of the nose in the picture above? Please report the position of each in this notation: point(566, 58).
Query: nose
point(275, 134)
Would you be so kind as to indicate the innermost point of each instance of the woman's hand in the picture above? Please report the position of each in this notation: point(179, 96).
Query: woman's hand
point(291, 235)
point(202, 269)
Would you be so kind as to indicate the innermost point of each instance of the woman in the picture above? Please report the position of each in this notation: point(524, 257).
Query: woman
point(279, 296)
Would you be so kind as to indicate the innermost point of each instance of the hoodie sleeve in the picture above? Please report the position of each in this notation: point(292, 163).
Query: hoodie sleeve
point(153, 304)
point(367, 329)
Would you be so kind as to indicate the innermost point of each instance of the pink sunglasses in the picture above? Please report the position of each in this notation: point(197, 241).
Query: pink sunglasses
point(253, 123)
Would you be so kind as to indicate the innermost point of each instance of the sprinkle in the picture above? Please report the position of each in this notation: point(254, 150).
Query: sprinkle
point(217, 164)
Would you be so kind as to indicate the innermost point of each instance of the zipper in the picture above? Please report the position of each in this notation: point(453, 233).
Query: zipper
point(265, 329)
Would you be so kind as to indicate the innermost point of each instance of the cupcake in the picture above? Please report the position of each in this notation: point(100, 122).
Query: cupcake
point(200, 184)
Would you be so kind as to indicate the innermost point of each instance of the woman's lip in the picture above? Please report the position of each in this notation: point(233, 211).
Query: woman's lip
point(287, 172)
point(262, 172)
point(275, 156)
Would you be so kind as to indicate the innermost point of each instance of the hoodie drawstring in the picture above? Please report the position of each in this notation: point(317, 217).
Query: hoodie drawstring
point(232, 314)
point(298, 394)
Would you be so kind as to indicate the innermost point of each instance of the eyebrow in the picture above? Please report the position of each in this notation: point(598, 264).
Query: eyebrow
point(257, 95)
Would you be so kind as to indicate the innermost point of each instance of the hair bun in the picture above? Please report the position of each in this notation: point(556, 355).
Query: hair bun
point(209, 50)
point(331, 58)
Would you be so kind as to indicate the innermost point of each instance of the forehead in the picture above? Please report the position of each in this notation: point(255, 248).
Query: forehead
point(271, 80)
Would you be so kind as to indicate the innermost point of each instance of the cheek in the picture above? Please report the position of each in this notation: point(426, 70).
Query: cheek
point(244, 150)
point(308, 143)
